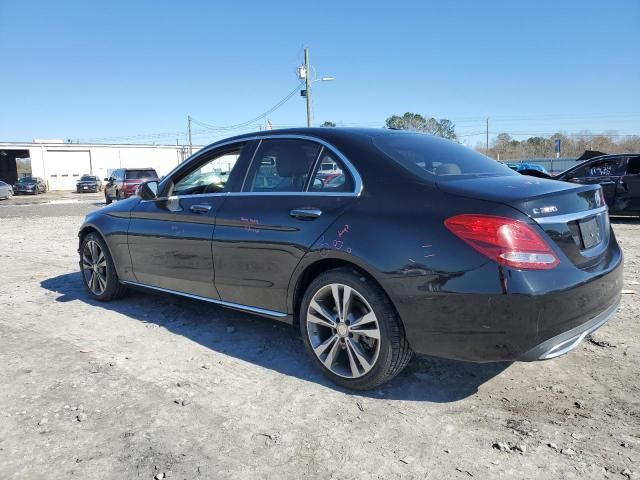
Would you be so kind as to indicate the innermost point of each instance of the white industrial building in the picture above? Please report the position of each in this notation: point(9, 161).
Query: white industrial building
point(62, 164)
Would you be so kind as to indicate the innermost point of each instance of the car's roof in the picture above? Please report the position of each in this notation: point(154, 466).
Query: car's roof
point(320, 132)
point(612, 155)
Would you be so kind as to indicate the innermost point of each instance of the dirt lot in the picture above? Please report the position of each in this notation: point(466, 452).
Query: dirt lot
point(158, 386)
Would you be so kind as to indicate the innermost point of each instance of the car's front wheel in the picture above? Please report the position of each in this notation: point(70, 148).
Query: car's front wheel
point(352, 331)
point(98, 270)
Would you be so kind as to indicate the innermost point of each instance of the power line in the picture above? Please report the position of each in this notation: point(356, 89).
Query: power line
point(262, 116)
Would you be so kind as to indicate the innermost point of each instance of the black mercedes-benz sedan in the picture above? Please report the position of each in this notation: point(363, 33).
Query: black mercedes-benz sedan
point(375, 243)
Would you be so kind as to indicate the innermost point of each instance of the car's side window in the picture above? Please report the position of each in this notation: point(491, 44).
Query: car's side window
point(281, 165)
point(210, 176)
point(331, 176)
point(604, 168)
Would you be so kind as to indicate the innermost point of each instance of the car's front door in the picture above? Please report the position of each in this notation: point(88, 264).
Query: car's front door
point(285, 205)
point(170, 237)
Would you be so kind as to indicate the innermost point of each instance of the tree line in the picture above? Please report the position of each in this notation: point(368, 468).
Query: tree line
point(505, 147)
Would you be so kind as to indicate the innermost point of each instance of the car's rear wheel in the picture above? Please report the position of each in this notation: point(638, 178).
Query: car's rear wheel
point(98, 270)
point(352, 331)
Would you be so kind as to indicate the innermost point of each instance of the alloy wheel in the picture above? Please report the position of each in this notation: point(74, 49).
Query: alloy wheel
point(343, 331)
point(94, 267)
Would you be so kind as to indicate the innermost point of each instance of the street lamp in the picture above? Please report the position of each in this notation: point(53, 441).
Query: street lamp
point(304, 72)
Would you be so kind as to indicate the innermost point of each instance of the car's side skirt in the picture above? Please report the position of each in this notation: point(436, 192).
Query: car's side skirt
point(236, 306)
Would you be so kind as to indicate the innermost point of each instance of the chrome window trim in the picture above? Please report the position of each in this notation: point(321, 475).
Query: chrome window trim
point(237, 306)
point(357, 180)
point(570, 217)
point(255, 194)
point(246, 172)
point(313, 169)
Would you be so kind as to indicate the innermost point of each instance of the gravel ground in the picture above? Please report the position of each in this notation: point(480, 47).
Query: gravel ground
point(155, 386)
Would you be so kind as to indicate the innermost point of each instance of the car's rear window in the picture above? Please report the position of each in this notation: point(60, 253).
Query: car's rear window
point(140, 174)
point(88, 178)
point(433, 158)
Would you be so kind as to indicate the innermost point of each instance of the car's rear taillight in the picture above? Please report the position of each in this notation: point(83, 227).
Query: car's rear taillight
point(505, 240)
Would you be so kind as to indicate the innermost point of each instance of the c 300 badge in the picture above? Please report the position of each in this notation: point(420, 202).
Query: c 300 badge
point(545, 210)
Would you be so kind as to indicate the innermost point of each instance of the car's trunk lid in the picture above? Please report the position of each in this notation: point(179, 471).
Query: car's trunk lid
point(574, 216)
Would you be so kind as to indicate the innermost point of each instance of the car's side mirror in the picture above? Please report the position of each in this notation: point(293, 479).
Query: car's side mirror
point(148, 190)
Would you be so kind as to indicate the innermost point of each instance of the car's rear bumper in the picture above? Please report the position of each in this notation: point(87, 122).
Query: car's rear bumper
point(508, 326)
point(567, 341)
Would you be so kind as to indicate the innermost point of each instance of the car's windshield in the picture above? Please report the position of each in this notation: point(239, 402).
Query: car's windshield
point(27, 180)
point(433, 158)
point(140, 174)
point(88, 178)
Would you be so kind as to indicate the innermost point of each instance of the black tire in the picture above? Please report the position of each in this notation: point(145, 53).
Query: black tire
point(113, 289)
point(107, 198)
point(394, 353)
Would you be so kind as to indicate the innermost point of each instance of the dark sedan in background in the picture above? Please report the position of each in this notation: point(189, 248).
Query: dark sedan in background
point(619, 177)
point(89, 183)
point(32, 185)
point(421, 246)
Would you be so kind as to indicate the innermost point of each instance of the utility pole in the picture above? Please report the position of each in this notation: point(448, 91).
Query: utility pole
point(487, 137)
point(190, 145)
point(307, 80)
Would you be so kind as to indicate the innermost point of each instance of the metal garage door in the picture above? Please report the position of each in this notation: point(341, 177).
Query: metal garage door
point(64, 168)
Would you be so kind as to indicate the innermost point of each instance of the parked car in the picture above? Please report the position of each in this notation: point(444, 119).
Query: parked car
point(32, 185)
point(526, 167)
point(6, 191)
point(426, 247)
point(89, 183)
point(123, 182)
point(618, 175)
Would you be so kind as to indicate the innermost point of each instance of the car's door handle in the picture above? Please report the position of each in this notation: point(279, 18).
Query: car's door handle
point(305, 213)
point(200, 208)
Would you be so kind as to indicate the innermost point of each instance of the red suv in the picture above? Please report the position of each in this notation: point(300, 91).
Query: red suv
point(123, 182)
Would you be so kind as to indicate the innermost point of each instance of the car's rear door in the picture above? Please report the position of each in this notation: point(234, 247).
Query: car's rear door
point(263, 231)
point(170, 237)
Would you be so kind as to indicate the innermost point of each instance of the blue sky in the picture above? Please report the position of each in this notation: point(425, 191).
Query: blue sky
point(132, 71)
